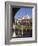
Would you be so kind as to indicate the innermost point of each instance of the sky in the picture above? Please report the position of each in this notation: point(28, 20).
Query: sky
point(23, 12)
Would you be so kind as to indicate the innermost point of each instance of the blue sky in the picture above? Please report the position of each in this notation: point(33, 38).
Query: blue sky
point(23, 12)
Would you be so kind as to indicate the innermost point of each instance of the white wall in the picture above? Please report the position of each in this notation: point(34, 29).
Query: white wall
point(2, 22)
